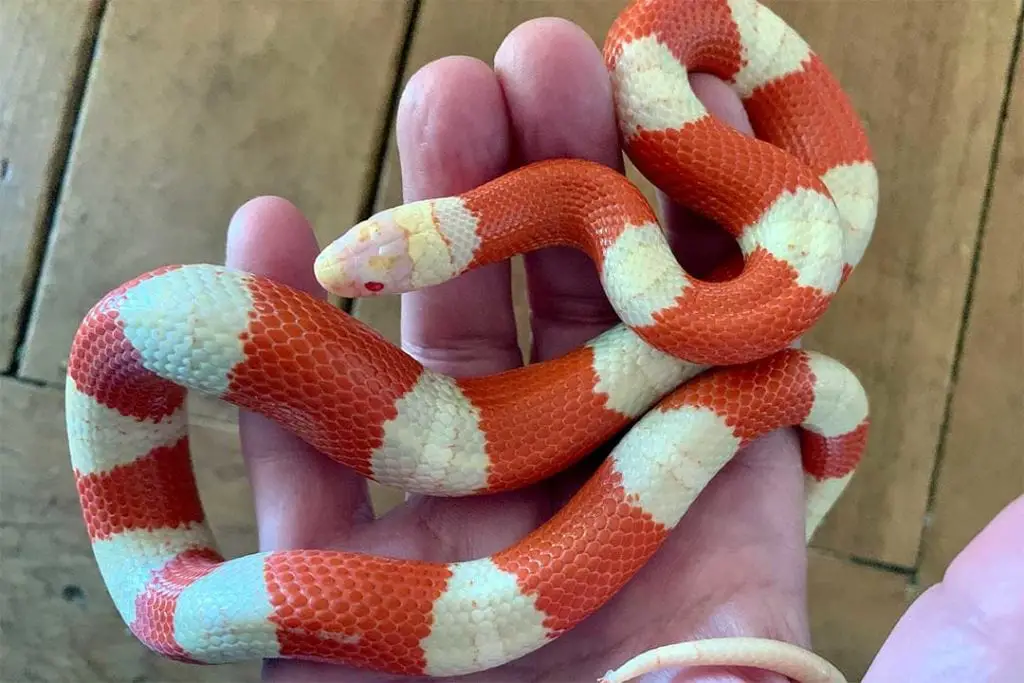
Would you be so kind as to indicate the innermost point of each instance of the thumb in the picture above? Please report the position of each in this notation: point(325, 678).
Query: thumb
point(966, 628)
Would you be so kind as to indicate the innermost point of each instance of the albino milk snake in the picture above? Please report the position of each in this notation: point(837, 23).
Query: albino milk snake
point(801, 202)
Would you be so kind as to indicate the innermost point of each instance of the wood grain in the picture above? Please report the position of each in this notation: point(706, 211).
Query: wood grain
point(982, 470)
point(194, 108)
point(58, 621)
point(42, 54)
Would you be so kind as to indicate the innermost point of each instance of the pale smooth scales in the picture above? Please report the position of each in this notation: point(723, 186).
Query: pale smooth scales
point(363, 402)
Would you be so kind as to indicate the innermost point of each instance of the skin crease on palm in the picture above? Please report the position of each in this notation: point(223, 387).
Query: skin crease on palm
point(736, 564)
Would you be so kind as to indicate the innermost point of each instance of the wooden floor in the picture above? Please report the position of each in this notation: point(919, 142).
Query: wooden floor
point(130, 131)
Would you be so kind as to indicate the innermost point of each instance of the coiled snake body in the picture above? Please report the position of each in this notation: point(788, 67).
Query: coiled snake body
point(696, 370)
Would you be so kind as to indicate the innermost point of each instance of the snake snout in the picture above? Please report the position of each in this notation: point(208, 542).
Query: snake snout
point(370, 259)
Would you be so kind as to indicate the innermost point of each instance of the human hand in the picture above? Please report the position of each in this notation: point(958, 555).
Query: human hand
point(736, 563)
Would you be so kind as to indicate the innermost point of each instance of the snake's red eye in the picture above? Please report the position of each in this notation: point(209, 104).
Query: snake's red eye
point(374, 286)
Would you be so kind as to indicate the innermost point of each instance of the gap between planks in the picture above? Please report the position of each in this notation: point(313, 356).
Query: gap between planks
point(1013, 63)
point(56, 175)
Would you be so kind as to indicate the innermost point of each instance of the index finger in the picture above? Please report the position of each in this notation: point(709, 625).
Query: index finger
point(452, 136)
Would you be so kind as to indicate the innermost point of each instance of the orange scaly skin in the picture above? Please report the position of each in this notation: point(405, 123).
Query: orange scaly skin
point(801, 203)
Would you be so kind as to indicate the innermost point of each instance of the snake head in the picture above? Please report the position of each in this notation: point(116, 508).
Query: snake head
point(372, 258)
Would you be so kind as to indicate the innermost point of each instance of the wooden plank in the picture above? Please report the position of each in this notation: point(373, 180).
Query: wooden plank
point(52, 599)
point(42, 55)
point(853, 608)
point(195, 108)
point(895, 323)
point(931, 106)
point(983, 466)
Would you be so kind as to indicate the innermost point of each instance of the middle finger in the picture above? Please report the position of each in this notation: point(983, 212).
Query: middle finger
point(453, 136)
point(560, 105)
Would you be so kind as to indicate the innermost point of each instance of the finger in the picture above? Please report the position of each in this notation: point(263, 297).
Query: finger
point(453, 136)
point(966, 628)
point(560, 104)
point(302, 498)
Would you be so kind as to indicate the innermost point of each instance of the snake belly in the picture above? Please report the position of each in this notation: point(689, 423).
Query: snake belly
point(696, 370)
